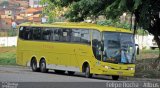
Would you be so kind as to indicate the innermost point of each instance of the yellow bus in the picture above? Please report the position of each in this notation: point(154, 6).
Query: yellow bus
point(77, 47)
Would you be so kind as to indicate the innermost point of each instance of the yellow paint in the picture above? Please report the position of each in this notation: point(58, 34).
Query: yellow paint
point(70, 54)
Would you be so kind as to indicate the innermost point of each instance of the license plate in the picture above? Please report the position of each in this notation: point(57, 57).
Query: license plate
point(120, 73)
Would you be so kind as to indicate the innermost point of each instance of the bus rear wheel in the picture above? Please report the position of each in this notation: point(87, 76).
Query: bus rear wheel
point(43, 66)
point(34, 65)
point(115, 77)
point(87, 72)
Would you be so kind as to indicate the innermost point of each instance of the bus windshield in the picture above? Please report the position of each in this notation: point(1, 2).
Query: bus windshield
point(118, 47)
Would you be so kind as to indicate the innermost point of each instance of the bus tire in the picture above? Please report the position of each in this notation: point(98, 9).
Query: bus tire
point(87, 72)
point(59, 71)
point(115, 77)
point(34, 65)
point(43, 66)
point(71, 72)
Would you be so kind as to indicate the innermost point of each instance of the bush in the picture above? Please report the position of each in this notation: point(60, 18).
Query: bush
point(8, 32)
point(147, 68)
point(12, 32)
point(114, 23)
point(8, 58)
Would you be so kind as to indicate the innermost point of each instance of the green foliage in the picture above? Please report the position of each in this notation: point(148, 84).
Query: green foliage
point(147, 68)
point(48, 10)
point(137, 3)
point(82, 9)
point(8, 58)
point(145, 11)
point(115, 9)
point(12, 32)
point(114, 23)
point(141, 32)
point(8, 32)
point(78, 10)
point(144, 17)
point(147, 65)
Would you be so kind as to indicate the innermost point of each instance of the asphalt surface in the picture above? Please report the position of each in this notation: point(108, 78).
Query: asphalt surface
point(25, 74)
point(23, 77)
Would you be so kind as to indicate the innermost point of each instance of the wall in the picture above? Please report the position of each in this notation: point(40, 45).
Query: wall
point(142, 41)
point(8, 41)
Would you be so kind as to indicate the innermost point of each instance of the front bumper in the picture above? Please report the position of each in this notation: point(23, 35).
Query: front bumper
point(117, 72)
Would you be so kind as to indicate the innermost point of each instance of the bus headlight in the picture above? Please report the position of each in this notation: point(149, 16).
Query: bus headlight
point(107, 67)
point(131, 68)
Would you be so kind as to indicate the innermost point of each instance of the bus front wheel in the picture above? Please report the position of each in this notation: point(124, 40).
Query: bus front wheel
point(115, 77)
point(43, 66)
point(87, 72)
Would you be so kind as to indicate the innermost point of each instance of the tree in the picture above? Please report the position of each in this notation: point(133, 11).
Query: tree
point(147, 15)
point(54, 8)
point(147, 12)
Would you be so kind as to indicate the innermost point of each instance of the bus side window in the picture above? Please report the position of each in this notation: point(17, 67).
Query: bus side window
point(65, 35)
point(55, 34)
point(96, 40)
point(36, 33)
point(52, 37)
point(24, 33)
point(30, 33)
point(21, 32)
point(85, 36)
point(46, 34)
point(76, 35)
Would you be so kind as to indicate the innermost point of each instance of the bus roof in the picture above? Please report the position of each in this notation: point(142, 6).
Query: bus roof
point(76, 25)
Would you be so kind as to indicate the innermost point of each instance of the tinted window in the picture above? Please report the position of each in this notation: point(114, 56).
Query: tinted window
point(96, 44)
point(56, 34)
point(65, 35)
point(21, 32)
point(76, 35)
point(25, 33)
point(85, 36)
point(52, 35)
point(46, 34)
point(36, 33)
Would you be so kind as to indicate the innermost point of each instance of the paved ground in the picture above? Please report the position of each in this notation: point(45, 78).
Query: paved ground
point(23, 77)
point(24, 74)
